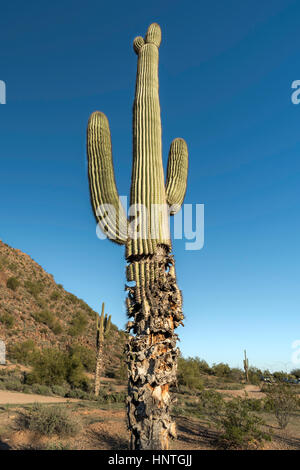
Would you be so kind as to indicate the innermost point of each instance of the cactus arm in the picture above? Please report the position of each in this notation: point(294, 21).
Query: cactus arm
point(177, 171)
point(102, 181)
point(107, 326)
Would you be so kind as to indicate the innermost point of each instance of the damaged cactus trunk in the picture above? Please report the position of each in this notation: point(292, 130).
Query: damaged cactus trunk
point(152, 353)
point(154, 301)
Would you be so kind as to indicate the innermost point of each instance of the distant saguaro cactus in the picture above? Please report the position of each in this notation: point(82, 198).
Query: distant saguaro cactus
point(246, 367)
point(154, 301)
point(103, 327)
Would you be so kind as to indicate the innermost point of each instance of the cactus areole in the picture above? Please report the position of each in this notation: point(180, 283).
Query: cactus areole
point(154, 302)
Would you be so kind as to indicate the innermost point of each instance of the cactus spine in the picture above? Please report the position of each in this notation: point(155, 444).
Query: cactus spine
point(103, 323)
point(246, 366)
point(155, 301)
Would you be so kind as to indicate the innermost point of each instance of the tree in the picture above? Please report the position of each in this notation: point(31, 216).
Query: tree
point(154, 301)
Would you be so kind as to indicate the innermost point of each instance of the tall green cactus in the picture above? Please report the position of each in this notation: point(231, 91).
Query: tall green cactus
point(103, 323)
point(155, 301)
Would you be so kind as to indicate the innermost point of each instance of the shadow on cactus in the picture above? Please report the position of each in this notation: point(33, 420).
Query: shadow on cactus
point(154, 302)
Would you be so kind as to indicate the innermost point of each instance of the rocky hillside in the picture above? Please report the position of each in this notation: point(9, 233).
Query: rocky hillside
point(33, 306)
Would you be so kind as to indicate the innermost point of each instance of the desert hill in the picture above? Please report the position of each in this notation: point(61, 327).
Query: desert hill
point(33, 307)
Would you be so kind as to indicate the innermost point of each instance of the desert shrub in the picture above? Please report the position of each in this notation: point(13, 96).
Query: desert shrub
point(282, 401)
point(79, 394)
point(72, 298)
point(49, 368)
point(296, 373)
point(87, 356)
point(54, 296)
point(23, 353)
point(189, 374)
point(7, 320)
point(241, 427)
point(75, 372)
point(78, 325)
point(57, 328)
point(46, 317)
point(54, 367)
point(48, 421)
point(255, 404)
point(211, 403)
point(12, 283)
point(221, 370)
point(254, 375)
point(281, 376)
point(11, 383)
point(34, 288)
point(40, 389)
point(60, 390)
point(236, 374)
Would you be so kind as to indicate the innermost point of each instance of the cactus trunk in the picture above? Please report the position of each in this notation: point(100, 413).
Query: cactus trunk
point(246, 367)
point(154, 301)
point(99, 367)
point(103, 326)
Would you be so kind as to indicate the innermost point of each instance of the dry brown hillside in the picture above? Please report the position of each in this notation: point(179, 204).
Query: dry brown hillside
point(33, 306)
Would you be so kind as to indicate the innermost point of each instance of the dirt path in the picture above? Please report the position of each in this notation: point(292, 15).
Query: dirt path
point(16, 398)
point(253, 391)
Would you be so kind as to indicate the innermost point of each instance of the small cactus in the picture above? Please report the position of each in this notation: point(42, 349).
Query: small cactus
point(103, 323)
point(246, 367)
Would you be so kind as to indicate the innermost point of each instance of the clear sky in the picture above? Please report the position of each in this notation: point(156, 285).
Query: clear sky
point(226, 70)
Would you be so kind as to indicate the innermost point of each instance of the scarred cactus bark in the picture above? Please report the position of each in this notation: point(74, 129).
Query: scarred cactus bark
point(154, 301)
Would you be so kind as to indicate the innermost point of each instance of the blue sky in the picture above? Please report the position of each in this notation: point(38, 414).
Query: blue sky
point(226, 70)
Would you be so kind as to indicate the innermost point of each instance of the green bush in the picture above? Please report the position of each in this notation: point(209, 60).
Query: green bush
point(78, 325)
point(60, 390)
point(86, 355)
point(241, 427)
point(54, 367)
point(41, 389)
point(282, 400)
point(46, 317)
point(34, 288)
point(221, 370)
point(12, 283)
point(55, 295)
point(48, 421)
point(296, 373)
point(48, 369)
point(11, 383)
point(189, 373)
point(23, 353)
point(7, 320)
point(211, 403)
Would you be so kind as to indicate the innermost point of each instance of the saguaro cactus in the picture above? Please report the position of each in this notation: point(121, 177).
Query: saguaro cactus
point(154, 301)
point(246, 366)
point(103, 326)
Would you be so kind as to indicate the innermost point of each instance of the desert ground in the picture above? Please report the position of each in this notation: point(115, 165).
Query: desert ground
point(103, 426)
